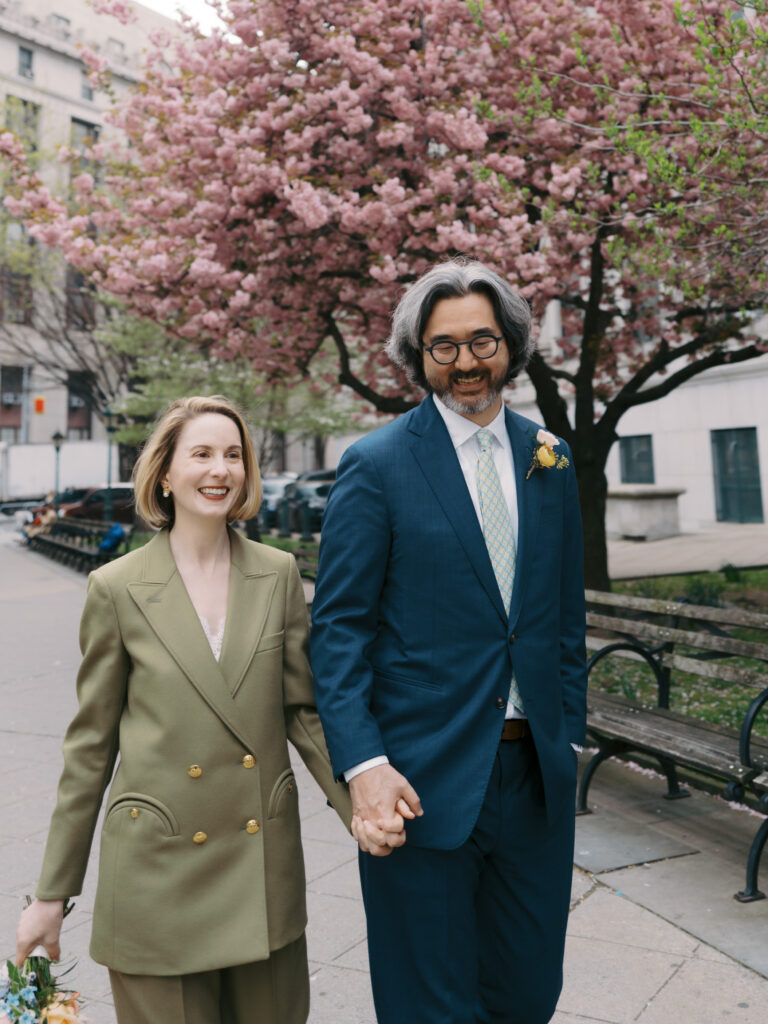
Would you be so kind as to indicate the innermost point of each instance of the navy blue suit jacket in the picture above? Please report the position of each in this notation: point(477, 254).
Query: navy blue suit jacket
point(411, 647)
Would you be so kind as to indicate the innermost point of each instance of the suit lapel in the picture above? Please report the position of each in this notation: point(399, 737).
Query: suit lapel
point(434, 452)
point(528, 503)
point(162, 599)
point(250, 595)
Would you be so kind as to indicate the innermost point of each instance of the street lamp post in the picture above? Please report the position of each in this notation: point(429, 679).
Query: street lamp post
point(110, 423)
point(57, 440)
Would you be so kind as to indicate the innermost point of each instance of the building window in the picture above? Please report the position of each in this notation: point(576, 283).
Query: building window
point(22, 117)
point(86, 89)
point(79, 392)
point(60, 25)
point(83, 135)
point(11, 398)
point(636, 458)
point(80, 308)
point(736, 468)
point(26, 66)
point(15, 297)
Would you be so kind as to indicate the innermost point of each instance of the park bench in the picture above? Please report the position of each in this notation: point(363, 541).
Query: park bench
point(77, 543)
point(720, 647)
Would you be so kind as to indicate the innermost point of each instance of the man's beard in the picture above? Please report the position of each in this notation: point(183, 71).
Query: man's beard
point(467, 405)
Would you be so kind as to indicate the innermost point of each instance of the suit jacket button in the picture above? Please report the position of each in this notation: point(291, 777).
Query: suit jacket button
point(199, 837)
point(252, 827)
point(134, 812)
point(249, 761)
point(500, 703)
point(194, 771)
point(512, 638)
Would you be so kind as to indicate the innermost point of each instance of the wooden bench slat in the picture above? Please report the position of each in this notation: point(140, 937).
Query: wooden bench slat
point(730, 616)
point(715, 670)
point(638, 628)
point(698, 744)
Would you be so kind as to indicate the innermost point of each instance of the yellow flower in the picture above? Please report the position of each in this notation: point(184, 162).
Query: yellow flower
point(545, 456)
point(61, 1011)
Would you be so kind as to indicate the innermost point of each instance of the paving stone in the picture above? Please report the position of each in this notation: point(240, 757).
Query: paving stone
point(340, 997)
point(615, 919)
point(343, 881)
point(581, 886)
point(322, 859)
point(605, 981)
point(742, 997)
point(336, 924)
point(696, 894)
point(607, 841)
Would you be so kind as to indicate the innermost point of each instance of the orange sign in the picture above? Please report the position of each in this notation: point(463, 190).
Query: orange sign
point(39, 403)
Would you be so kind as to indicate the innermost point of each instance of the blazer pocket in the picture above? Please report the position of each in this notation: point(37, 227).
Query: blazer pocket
point(134, 804)
point(284, 794)
point(271, 641)
point(387, 679)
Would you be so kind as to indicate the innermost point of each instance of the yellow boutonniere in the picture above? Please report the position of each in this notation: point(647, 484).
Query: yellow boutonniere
point(544, 455)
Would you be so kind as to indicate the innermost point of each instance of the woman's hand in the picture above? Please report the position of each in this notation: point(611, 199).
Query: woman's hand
point(39, 925)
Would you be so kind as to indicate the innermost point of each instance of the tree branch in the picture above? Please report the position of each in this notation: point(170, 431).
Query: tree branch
point(381, 403)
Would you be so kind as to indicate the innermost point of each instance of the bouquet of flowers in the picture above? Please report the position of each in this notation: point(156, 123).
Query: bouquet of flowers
point(31, 995)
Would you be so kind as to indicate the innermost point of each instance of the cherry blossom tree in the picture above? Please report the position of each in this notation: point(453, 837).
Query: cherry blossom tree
point(304, 165)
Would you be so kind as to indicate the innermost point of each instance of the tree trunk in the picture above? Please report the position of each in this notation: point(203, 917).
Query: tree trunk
point(593, 490)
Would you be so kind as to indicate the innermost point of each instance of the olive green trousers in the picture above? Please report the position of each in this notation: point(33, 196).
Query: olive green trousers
point(273, 991)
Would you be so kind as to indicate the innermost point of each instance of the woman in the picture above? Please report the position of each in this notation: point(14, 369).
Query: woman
point(195, 671)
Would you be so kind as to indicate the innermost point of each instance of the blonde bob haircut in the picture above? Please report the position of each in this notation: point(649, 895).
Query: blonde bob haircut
point(155, 460)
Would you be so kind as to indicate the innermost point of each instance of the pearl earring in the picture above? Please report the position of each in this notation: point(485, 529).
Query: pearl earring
point(166, 492)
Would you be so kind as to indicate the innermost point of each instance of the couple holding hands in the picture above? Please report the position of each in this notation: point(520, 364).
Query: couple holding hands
point(448, 661)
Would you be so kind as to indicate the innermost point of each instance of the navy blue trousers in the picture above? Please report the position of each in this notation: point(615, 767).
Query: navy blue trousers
point(476, 935)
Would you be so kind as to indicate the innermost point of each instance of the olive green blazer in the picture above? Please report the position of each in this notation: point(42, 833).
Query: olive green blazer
point(201, 863)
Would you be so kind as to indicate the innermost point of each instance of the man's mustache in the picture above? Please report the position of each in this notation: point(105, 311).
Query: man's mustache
point(458, 376)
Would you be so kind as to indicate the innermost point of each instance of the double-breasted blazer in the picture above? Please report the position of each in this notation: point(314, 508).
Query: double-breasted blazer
point(201, 863)
point(412, 649)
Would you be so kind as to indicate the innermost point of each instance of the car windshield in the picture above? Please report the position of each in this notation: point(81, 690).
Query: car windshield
point(73, 494)
point(313, 488)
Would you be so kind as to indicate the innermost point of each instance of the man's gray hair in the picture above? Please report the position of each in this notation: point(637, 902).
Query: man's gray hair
point(454, 279)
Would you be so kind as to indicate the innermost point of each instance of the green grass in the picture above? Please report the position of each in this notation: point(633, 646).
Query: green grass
point(706, 699)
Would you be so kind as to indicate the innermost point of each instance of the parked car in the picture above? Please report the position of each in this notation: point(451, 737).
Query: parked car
point(92, 505)
point(68, 497)
point(274, 488)
point(328, 475)
point(315, 493)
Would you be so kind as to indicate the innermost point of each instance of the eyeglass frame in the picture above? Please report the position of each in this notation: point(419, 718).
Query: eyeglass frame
point(457, 345)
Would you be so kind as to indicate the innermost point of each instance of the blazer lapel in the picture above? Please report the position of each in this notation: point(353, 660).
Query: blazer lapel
point(434, 452)
point(528, 502)
point(250, 594)
point(162, 599)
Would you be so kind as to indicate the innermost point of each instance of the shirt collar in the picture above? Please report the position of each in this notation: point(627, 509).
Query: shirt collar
point(461, 429)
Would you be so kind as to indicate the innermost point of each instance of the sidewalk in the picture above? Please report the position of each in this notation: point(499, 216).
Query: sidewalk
point(654, 937)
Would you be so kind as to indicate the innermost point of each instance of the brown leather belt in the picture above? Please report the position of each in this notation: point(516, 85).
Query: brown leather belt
point(515, 729)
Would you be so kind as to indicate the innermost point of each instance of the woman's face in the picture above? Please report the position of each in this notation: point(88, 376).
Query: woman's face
point(206, 475)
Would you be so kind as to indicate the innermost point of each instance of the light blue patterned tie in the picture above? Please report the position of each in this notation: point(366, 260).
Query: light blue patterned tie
point(497, 530)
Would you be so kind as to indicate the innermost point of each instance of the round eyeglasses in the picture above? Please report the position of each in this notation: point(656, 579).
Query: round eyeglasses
point(482, 347)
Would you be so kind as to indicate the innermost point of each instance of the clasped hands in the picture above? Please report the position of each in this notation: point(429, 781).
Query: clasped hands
point(382, 800)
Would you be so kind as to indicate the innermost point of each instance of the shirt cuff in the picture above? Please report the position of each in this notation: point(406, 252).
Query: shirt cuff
point(357, 769)
point(577, 748)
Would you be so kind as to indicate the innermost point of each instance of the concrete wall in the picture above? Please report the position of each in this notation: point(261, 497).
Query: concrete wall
point(27, 470)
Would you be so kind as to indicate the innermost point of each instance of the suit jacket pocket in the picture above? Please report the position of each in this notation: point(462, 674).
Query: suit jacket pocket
point(388, 679)
point(133, 805)
point(270, 642)
point(284, 794)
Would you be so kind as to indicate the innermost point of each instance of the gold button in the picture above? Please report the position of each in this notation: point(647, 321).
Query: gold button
point(249, 761)
point(252, 827)
point(194, 771)
point(199, 837)
point(290, 787)
point(134, 812)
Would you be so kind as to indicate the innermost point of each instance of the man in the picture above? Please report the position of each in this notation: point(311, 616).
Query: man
point(448, 651)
